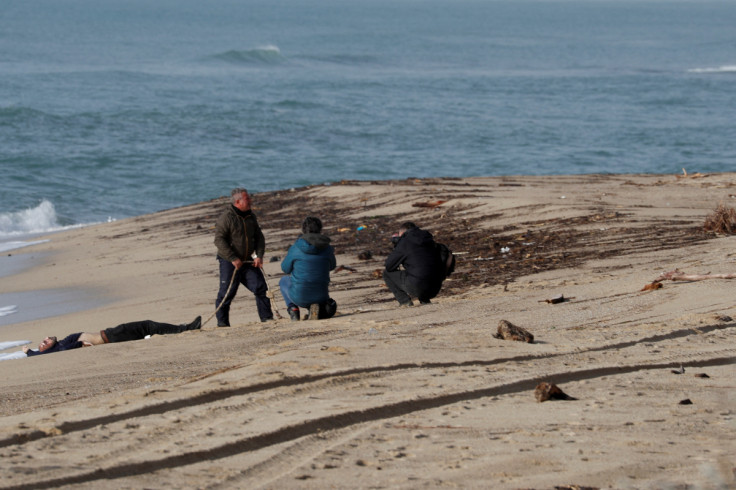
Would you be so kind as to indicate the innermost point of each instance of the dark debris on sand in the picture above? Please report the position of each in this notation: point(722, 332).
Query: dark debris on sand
point(486, 255)
point(533, 246)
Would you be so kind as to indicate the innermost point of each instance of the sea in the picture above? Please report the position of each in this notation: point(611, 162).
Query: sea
point(116, 108)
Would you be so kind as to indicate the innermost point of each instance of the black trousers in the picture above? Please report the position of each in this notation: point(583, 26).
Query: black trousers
point(139, 330)
point(251, 278)
point(403, 288)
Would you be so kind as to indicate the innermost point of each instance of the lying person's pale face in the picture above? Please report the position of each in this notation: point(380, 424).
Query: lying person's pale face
point(46, 343)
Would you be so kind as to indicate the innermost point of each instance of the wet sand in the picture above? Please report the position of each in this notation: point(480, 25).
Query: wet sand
point(382, 397)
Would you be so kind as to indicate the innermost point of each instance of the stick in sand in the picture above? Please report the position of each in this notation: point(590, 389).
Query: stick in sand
point(677, 275)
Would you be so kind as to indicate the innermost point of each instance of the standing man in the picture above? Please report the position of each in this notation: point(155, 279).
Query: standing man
point(423, 269)
point(237, 237)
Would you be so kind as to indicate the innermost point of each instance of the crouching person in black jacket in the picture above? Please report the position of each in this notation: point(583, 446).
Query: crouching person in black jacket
point(423, 269)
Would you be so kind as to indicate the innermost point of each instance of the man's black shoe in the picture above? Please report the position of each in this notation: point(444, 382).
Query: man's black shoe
point(196, 324)
point(264, 320)
point(294, 313)
point(223, 324)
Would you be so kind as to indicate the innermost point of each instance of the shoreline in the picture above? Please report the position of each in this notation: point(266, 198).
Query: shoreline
point(422, 396)
point(45, 304)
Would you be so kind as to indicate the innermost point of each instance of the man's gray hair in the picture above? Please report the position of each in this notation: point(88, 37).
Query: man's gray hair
point(235, 194)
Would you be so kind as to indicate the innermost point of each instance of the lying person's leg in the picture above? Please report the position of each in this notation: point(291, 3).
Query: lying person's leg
point(139, 330)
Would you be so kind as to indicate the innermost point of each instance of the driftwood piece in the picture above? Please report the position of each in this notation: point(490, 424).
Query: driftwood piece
point(509, 331)
point(549, 391)
point(429, 204)
point(686, 175)
point(677, 275)
point(652, 286)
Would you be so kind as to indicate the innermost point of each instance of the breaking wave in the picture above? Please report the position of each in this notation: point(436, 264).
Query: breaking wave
point(260, 55)
point(719, 69)
point(40, 219)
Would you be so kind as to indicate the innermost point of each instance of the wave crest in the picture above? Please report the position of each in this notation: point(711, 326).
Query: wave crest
point(42, 218)
point(260, 55)
point(4, 311)
point(718, 69)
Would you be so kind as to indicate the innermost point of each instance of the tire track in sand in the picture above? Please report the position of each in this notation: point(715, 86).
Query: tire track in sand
point(219, 395)
point(358, 417)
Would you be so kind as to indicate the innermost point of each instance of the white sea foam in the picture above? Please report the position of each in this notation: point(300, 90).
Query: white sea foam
point(18, 225)
point(9, 344)
point(12, 355)
point(7, 310)
point(42, 218)
point(269, 47)
point(13, 244)
point(718, 69)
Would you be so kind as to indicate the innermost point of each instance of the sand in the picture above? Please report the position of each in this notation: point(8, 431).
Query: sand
point(388, 397)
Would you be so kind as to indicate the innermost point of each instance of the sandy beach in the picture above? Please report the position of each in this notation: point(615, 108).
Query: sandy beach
point(388, 397)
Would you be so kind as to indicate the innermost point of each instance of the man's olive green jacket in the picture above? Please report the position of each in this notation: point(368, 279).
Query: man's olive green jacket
point(237, 235)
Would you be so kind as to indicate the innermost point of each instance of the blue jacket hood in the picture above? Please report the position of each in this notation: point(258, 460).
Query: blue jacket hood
point(312, 243)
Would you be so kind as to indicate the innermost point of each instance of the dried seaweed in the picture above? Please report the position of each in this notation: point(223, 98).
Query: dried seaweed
point(722, 220)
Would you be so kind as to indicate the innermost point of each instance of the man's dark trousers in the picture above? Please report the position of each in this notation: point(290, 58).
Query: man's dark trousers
point(399, 283)
point(139, 330)
point(251, 278)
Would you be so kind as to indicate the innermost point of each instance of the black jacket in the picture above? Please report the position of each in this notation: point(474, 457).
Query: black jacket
point(418, 253)
point(68, 342)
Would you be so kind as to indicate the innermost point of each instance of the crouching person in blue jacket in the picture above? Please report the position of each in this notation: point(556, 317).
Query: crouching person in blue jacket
point(308, 265)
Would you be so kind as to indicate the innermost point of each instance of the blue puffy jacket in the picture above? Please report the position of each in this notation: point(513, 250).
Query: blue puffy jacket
point(309, 262)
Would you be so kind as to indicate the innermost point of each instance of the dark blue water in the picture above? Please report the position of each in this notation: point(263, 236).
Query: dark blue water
point(114, 108)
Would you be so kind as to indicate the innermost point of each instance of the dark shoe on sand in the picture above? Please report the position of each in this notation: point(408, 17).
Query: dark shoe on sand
point(294, 313)
point(223, 324)
point(196, 324)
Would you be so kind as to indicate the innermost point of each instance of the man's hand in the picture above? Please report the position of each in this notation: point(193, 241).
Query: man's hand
point(237, 263)
point(258, 262)
point(26, 349)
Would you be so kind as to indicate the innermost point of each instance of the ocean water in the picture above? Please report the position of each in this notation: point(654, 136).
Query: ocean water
point(115, 108)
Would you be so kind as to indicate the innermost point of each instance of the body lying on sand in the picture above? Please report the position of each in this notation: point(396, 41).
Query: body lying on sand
point(122, 333)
